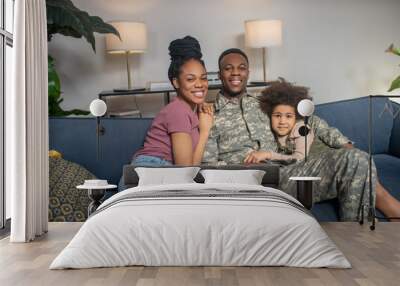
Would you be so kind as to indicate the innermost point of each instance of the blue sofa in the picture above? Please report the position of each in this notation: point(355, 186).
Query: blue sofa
point(351, 118)
point(75, 138)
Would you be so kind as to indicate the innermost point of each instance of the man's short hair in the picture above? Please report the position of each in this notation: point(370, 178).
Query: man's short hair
point(231, 51)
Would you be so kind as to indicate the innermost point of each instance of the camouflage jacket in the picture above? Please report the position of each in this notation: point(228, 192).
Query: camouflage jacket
point(241, 127)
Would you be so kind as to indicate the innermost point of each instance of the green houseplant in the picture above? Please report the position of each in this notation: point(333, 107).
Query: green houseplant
point(396, 82)
point(66, 19)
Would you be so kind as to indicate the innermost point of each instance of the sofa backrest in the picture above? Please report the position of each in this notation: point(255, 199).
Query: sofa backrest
point(394, 147)
point(75, 138)
point(351, 118)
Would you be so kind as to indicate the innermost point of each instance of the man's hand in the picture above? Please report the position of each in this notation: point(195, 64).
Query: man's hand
point(348, 145)
point(257, 156)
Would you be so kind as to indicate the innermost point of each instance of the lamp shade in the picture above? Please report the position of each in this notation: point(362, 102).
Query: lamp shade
point(263, 33)
point(133, 38)
point(305, 107)
point(98, 107)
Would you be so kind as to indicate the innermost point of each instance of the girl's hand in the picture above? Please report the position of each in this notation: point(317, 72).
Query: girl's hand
point(348, 145)
point(257, 156)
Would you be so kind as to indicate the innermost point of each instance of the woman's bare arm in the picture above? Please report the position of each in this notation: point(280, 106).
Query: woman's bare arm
point(183, 151)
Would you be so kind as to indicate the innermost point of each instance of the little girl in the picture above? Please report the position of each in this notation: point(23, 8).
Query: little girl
point(280, 101)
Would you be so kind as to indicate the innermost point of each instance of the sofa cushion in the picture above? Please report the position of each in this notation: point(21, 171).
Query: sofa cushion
point(351, 118)
point(66, 202)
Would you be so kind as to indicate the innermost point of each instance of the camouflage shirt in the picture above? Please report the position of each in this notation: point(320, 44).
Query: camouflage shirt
point(241, 127)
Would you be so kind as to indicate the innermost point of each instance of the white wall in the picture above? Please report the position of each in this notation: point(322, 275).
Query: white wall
point(336, 47)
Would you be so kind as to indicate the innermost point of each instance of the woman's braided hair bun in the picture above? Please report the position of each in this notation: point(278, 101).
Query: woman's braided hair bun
point(180, 51)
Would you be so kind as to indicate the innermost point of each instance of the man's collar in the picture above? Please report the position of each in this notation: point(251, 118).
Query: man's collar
point(223, 100)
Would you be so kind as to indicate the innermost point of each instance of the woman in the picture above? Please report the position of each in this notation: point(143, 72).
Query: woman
point(180, 131)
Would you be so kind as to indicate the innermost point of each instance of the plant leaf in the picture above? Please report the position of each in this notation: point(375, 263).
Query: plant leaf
point(104, 28)
point(64, 18)
point(55, 93)
point(53, 81)
point(391, 49)
point(395, 84)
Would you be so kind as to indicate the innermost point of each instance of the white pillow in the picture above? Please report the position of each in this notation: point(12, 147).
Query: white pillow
point(248, 177)
point(165, 176)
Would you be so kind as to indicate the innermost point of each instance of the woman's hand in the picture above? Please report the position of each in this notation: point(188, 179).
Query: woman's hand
point(257, 156)
point(206, 120)
point(206, 108)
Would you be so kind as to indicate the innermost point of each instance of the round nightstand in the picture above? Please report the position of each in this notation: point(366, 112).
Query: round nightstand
point(95, 193)
point(304, 189)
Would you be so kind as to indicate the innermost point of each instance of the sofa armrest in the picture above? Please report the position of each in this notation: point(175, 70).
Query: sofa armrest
point(394, 146)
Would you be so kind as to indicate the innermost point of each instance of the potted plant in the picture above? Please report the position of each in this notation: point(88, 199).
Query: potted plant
point(66, 19)
point(396, 82)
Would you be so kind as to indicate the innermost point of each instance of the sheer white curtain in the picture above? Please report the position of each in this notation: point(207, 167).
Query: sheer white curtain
point(27, 124)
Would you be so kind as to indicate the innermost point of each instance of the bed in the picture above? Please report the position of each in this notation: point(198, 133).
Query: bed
point(201, 224)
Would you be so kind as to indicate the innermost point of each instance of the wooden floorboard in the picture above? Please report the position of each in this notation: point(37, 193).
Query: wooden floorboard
point(374, 255)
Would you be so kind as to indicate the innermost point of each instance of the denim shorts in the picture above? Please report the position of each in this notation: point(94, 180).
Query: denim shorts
point(151, 161)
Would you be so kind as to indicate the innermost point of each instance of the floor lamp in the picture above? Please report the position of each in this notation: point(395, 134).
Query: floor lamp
point(305, 108)
point(305, 184)
point(98, 108)
point(133, 40)
point(263, 34)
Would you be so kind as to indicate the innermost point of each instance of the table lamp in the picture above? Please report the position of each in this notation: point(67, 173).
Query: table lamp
point(98, 108)
point(305, 108)
point(133, 41)
point(263, 34)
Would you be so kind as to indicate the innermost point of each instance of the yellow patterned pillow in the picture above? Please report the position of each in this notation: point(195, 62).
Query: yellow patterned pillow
point(55, 154)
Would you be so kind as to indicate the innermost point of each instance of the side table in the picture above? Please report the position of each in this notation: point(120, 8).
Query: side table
point(96, 194)
point(305, 189)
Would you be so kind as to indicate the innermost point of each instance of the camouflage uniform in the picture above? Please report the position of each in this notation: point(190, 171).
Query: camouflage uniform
point(241, 127)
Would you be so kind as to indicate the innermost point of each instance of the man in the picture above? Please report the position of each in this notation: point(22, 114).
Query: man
point(240, 127)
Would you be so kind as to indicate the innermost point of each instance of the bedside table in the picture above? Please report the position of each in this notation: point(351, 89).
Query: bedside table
point(305, 189)
point(95, 193)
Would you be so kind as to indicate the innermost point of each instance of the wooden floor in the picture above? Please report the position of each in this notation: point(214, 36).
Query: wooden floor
point(374, 255)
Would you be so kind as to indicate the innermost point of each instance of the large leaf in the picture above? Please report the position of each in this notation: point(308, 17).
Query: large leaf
point(393, 50)
point(395, 84)
point(64, 18)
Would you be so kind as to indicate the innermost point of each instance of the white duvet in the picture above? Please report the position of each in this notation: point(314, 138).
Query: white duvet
point(208, 230)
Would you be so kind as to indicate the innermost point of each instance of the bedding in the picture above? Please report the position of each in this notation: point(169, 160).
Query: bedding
point(201, 225)
point(162, 176)
point(248, 177)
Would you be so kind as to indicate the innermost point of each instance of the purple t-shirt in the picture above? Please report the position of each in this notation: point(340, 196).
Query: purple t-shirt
point(177, 116)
